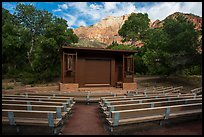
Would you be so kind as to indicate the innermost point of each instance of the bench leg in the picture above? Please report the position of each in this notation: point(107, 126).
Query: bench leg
point(200, 117)
point(17, 129)
point(111, 129)
point(55, 131)
point(162, 122)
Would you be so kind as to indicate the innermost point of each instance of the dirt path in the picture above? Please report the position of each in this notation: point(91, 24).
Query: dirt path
point(85, 121)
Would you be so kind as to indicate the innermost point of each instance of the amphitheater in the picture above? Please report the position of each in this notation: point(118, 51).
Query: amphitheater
point(107, 112)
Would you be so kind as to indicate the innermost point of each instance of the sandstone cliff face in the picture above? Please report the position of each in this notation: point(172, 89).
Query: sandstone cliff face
point(106, 31)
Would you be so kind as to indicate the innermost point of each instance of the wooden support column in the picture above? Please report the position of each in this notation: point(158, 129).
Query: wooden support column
point(123, 75)
point(62, 67)
point(75, 80)
point(133, 69)
point(112, 77)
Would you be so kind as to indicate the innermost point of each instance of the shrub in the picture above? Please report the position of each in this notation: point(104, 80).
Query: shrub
point(7, 87)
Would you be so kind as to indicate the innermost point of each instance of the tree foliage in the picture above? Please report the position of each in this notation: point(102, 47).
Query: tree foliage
point(34, 37)
point(175, 46)
point(134, 28)
point(167, 50)
point(117, 46)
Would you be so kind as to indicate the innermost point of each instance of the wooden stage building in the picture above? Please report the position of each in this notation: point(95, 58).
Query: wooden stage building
point(93, 67)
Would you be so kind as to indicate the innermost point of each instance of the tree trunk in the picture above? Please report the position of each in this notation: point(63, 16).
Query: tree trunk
point(30, 52)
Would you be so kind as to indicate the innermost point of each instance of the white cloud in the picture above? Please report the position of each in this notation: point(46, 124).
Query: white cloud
point(95, 6)
point(82, 12)
point(161, 10)
point(71, 20)
point(110, 6)
point(63, 6)
point(81, 23)
point(192, 7)
point(80, 6)
point(57, 10)
point(124, 8)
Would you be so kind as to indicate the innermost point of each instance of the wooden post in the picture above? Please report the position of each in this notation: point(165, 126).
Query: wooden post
point(133, 69)
point(62, 69)
point(76, 69)
point(123, 76)
point(112, 76)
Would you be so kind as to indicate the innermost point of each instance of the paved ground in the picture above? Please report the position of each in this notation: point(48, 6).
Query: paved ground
point(85, 121)
point(187, 128)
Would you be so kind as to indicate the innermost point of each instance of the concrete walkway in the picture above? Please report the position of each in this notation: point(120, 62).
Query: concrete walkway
point(84, 121)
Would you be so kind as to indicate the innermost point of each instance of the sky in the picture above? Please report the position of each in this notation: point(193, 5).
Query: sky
point(88, 13)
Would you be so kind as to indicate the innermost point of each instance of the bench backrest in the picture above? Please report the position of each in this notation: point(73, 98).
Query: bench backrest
point(28, 114)
point(165, 111)
point(64, 104)
point(196, 90)
point(148, 100)
point(58, 109)
point(135, 97)
point(153, 104)
point(49, 116)
point(38, 96)
point(38, 99)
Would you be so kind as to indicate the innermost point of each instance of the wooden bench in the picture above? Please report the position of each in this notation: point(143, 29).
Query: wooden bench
point(146, 97)
point(165, 90)
point(108, 103)
point(182, 110)
point(31, 118)
point(150, 104)
point(125, 117)
point(118, 98)
point(135, 97)
point(39, 96)
point(59, 109)
point(162, 88)
point(154, 90)
point(66, 106)
point(69, 101)
point(95, 97)
point(197, 90)
point(158, 88)
point(90, 96)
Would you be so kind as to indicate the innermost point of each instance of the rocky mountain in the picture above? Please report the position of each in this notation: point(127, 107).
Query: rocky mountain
point(196, 20)
point(104, 32)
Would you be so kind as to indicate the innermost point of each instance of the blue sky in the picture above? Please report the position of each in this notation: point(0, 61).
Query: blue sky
point(88, 13)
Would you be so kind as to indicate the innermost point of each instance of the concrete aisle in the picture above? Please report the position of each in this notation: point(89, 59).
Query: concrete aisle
point(84, 121)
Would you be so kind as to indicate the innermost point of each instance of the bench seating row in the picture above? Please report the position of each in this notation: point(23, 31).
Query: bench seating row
point(125, 110)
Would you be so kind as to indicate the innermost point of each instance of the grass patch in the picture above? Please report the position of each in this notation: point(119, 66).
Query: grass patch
point(7, 87)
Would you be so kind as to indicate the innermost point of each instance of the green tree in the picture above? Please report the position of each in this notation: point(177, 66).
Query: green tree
point(183, 43)
point(117, 46)
point(47, 54)
point(171, 48)
point(155, 53)
point(139, 66)
point(35, 37)
point(13, 44)
point(33, 20)
point(135, 27)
